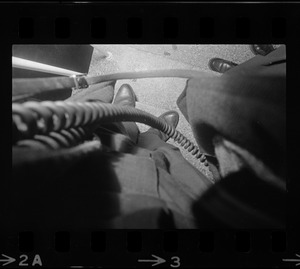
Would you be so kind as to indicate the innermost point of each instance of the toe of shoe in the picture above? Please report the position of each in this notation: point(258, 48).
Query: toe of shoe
point(213, 64)
point(171, 117)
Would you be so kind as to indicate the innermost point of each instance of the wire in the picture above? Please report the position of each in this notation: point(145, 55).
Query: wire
point(38, 119)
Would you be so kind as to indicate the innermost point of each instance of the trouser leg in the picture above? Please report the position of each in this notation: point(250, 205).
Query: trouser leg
point(152, 141)
point(103, 92)
point(129, 129)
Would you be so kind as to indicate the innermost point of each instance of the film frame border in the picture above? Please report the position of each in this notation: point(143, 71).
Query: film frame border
point(275, 23)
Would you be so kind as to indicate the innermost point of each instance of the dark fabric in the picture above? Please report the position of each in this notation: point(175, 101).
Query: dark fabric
point(246, 105)
point(241, 201)
point(101, 92)
point(87, 187)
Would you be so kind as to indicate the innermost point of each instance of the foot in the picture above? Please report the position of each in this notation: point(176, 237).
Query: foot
point(125, 96)
point(261, 49)
point(220, 65)
point(172, 118)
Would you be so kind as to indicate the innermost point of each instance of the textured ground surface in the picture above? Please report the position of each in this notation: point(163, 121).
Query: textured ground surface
point(157, 95)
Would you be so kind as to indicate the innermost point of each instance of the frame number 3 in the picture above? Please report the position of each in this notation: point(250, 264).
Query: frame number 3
point(175, 262)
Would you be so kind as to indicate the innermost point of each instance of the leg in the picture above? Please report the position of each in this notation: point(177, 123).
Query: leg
point(103, 92)
point(153, 139)
point(126, 97)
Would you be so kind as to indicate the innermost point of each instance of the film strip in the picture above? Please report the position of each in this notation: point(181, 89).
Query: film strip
point(147, 249)
point(62, 245)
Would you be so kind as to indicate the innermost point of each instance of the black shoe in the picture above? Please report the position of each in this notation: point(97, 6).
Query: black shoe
point(261, 49)
point(125, 96)
point(172, 118)
point(220, 65)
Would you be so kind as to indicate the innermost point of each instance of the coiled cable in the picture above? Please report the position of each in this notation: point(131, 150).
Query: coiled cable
point(60, 119)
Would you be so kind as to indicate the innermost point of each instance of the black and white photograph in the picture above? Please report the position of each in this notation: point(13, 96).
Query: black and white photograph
point(143, 136)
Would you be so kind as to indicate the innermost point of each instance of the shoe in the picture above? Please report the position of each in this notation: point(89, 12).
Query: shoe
point(261, 49)
point(172, 118)
point(220, 65)
point(125, 96)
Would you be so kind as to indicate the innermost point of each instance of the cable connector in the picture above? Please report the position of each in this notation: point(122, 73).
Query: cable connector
point(80, 82)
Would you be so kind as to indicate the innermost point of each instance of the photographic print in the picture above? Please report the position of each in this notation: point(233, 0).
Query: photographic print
point(147, 136)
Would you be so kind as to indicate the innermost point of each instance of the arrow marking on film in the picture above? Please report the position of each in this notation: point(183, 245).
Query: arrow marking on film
point(8, 260)
point(293, 260)
point(158, 260)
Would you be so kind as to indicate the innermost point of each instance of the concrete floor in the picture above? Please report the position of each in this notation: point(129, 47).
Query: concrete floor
point(157, 95)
